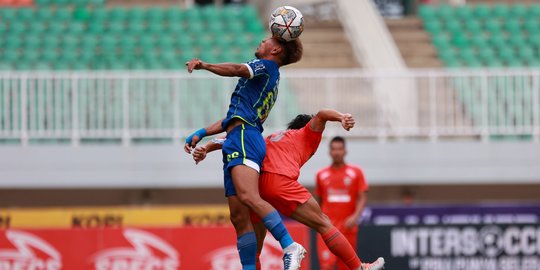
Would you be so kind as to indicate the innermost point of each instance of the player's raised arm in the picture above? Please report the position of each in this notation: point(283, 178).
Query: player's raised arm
point(197, 136)
point(319, 120)
point(223, 69)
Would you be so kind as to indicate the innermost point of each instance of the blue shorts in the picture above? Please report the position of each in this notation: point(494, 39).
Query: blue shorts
point(244, 146)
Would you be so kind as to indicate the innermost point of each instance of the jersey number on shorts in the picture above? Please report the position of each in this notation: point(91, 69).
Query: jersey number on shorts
point(232, 156)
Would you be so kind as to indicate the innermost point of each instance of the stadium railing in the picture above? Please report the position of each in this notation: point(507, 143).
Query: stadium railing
point(125, 107)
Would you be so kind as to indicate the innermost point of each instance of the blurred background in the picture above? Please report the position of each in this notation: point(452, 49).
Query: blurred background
point(95, 105)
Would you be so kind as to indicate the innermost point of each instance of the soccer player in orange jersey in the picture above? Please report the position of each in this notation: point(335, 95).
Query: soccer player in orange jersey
point(287, 151)
point(342, 192)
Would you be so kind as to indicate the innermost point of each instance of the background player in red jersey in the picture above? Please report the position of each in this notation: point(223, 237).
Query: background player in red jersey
point(342, 192)
point(287, 151)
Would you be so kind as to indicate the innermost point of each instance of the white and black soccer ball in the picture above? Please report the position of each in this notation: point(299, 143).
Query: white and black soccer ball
point(286, 23)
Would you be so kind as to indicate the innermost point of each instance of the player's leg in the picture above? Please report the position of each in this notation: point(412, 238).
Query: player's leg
point(247, 187)
point(327, 260)
point(246, 238)
point(239, 215)
point(260, 232)
point(351, 236)
point(312, 216)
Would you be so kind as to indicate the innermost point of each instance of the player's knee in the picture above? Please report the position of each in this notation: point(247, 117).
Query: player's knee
point(239, 221)
point(323, 223)
point(249, 199)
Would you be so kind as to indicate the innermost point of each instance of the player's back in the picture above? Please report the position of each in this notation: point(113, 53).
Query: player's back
point(287, 151)
point(254, 97)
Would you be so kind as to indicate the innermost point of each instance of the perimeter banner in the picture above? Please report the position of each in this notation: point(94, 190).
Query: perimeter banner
point(189, 248)
point(453, 238)
point(114, 217)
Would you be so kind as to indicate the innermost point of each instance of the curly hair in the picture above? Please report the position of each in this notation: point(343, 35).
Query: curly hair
point(299, 121)
point(293, 51)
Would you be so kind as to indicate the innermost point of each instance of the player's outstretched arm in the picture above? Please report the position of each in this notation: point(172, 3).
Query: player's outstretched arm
point(318, 123)
point(224, 69)
point(200, 152)
point(197, 136)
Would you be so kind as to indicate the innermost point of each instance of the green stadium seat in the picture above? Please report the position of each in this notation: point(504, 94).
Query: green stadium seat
point(3, 29)
point(156, 28)
point(479, 41)
point(117, 27)
point(56, 28)
point(41, 66)
point(136, 14)
point(498, 42)
point(174, 15)
point(513, 26)
point(507, 54)
point(117, 14)
point(155, 15)
point(534, 11)
point(486, 54)
point(460, 41)
point(96, 28)
point(501, 11)
point(463, 13)
point(514, 63)
point(532, 26)
point(493, 63)
point(518, 10)
point(8, 14)
point(482, 11)
point(99, 15)
point(526, 53)
point(63, 14)
point(44, 14)
point(493, 26)
point(25, 14)
point(17, 28)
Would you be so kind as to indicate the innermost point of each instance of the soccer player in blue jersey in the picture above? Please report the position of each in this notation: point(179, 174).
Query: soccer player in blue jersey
point(244, 149)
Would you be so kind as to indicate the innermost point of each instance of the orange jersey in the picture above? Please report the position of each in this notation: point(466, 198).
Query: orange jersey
point(287, 151)
point(338, 190)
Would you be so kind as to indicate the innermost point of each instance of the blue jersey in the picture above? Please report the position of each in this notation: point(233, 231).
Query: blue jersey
point(253, 98)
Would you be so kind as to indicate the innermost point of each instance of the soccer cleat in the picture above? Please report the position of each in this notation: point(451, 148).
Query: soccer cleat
point(293, 256)
point(376, 265)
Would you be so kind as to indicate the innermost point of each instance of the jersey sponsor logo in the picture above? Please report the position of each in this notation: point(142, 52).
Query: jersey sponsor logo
point(140, 255)
point(227, 258)
point(347, 181)
point(277, 137)
point(324, 175)
point(232, 156)
point(339, 198)
point(25, 257)
point(350, 172)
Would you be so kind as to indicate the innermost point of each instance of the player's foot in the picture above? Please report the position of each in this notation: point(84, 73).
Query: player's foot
point(376, 265)
point(293, 256)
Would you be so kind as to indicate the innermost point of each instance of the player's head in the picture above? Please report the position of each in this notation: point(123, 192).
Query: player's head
point(338, 150)
point(282, 52)
point(299, 121)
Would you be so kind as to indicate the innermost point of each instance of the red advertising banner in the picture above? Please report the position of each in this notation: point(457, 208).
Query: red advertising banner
point(189, 248)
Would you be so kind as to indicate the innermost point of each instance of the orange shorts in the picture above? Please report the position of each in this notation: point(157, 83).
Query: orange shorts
point(283, 193)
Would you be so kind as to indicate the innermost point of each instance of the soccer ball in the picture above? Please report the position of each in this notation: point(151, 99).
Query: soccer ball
point(286, 23)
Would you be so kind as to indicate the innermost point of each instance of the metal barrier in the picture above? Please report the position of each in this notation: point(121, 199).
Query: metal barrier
point(441, 104)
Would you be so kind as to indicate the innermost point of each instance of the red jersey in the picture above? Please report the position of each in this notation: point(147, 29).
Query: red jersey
point(287, 151)
point(338, 190)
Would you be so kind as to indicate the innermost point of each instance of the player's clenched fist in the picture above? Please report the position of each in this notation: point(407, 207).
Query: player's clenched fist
point(199, 154)
point(194, 64)
point(347, 121)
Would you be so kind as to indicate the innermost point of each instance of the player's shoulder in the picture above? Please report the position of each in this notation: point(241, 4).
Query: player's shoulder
point(323, 172)
point(353, 170)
